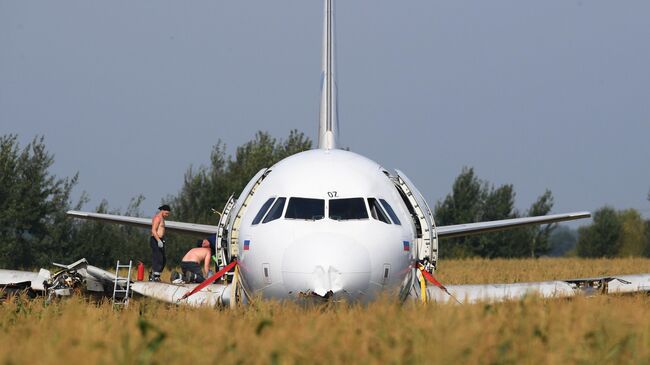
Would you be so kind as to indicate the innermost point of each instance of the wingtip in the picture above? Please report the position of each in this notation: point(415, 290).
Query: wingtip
point(76, 213)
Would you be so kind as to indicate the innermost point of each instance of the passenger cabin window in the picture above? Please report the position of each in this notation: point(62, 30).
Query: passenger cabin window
point(276, 210)
point(262, 211)
point(390, 211)
point(377, 211)
point(346, 209)
point(304, 208)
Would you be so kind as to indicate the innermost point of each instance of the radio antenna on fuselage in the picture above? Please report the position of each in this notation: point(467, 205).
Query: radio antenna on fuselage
point(328, 126)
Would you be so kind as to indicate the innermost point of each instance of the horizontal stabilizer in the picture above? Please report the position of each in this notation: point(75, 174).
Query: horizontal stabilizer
point(482, 227)
point(181, 227)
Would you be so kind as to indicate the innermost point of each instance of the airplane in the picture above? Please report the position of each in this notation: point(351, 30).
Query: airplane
point(330, 224)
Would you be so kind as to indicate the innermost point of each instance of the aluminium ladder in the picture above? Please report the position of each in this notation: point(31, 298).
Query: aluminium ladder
point(122, 285)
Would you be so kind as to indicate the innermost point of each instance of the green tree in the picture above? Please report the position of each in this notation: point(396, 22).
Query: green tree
point(463, 205)
point(474, 200)
point(103, 243)
point(498, 204)
point(539, 240)
point(34, 229)
point(647, 238)
point(208, 188)
point(32, 204)
point(563, 241)
point(632, 238)
point(601, 238)
point(465, 202)
point(647, 233)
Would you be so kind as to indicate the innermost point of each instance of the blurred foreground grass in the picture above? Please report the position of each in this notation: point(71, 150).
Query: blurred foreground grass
point(600, 329)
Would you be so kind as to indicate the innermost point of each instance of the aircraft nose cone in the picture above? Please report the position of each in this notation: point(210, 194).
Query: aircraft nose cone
point(325, 263)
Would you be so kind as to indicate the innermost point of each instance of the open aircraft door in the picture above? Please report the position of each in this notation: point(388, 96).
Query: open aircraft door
point(221, 242)
point(240, 206)
point(426, 242)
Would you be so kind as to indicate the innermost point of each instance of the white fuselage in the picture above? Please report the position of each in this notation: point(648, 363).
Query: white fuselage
point(326, 254)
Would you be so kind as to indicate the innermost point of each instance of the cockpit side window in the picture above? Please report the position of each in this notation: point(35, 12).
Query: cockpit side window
point(276, 210)
point(262, 211)
point(377, 211)
point(390, 211)
point(346, 209)
point(305, 208)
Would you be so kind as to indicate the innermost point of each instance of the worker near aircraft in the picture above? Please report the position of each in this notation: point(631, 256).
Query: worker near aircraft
point(157, 242)
point(191, 263)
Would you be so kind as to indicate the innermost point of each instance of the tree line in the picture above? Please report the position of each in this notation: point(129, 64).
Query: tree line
point(612, 233)
point(34, 230)
point(475, 200)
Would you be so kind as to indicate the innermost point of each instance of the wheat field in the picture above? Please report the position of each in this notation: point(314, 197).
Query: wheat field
point(594, 330)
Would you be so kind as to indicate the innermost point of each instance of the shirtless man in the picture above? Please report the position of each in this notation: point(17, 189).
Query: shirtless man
point(157, 242)
point(191, 263)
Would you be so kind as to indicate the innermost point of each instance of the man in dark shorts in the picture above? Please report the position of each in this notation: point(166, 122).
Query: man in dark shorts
point(191, 263)
point(157, 242)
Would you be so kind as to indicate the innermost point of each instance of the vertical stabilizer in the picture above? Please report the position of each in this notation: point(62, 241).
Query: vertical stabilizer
point(328, 129)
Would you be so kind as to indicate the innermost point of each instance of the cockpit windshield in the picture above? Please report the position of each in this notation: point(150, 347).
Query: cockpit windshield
point(377, 211)
point(390, 211)
point(304, 208)
point(262, 211)
point(276, 211)
point(345, 209)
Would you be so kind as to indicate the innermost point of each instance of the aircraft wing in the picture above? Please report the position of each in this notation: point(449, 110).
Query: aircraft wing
point(22, 279)
point(181, 227)
point(482, 227)
point(80, 274)
point(60, 283)
point(621, 284)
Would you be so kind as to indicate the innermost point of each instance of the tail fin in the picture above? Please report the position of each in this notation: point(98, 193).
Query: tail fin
point(328, 129)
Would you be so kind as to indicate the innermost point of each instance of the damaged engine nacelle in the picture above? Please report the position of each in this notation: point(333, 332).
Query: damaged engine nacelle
point(63, 282)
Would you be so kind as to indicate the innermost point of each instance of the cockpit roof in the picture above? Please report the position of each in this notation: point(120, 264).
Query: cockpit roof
point(319, 171)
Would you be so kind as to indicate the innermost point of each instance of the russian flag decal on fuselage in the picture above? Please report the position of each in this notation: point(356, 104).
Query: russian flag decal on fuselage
point(407, 245)
point(247, 244)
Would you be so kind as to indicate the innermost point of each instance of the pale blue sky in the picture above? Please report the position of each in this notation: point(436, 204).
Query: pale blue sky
point(546, 94)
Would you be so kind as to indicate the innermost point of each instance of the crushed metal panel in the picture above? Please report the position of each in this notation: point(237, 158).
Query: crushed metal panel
point(43, 276)
point(637, 283)
point(94, 285)
point(74, 265)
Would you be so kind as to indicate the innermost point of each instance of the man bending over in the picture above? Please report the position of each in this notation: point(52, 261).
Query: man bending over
point(191, 263)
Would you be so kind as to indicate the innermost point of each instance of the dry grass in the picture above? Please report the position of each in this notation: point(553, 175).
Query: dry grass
point(477, 271)
point(581, 330)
